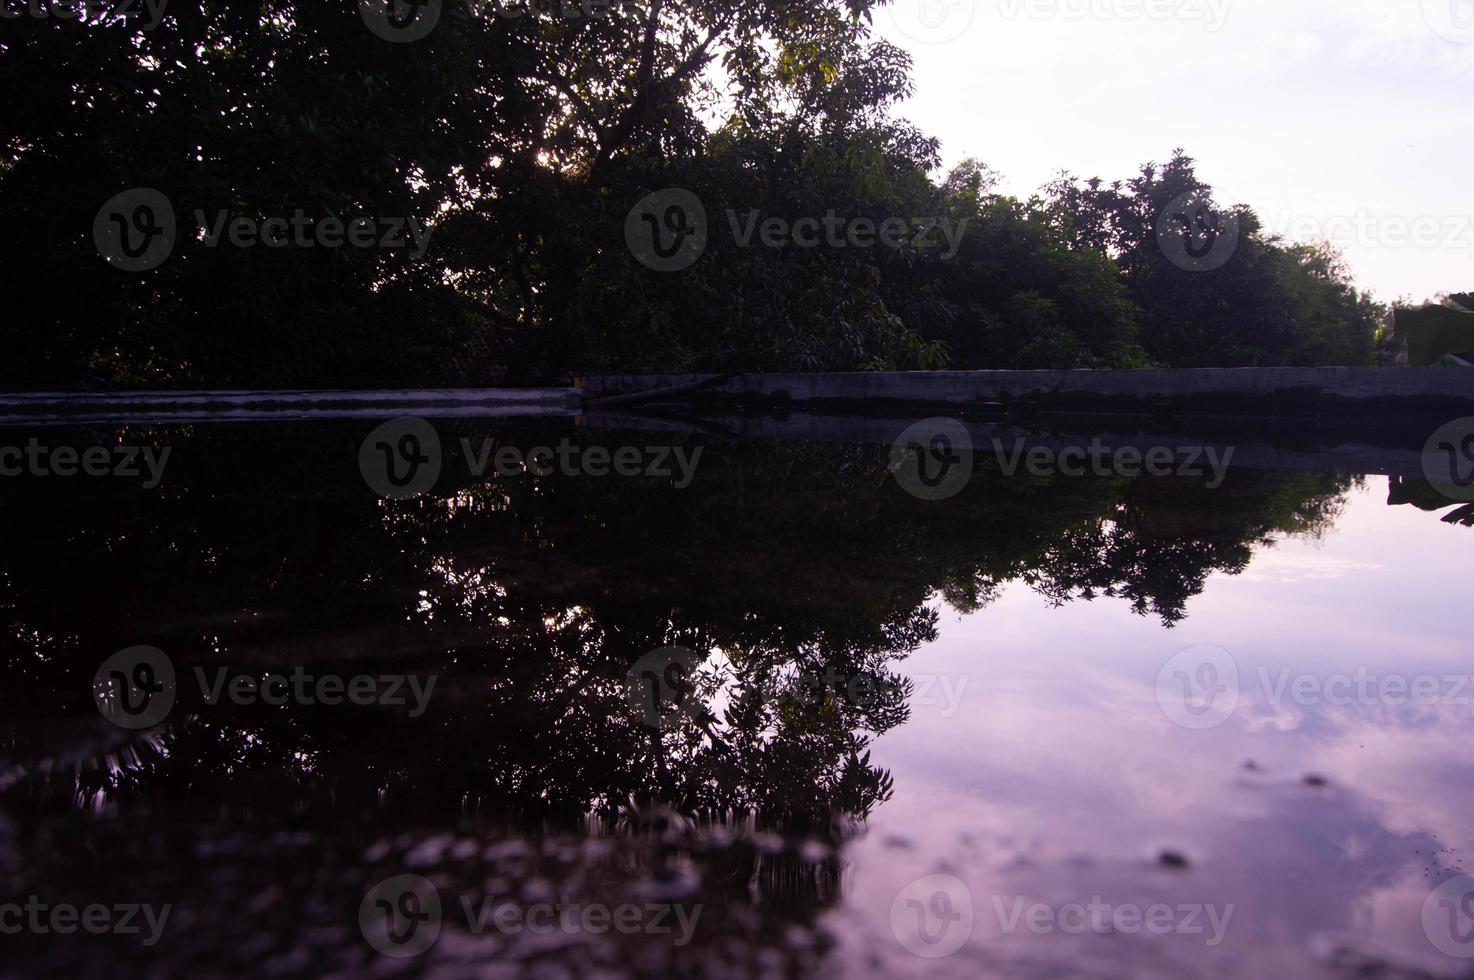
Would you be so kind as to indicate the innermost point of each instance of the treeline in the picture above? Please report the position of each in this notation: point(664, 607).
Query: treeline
point(526, 142)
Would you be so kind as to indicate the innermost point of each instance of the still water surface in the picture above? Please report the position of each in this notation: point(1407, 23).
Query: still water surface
point(1324, 818)
point(1095, 727)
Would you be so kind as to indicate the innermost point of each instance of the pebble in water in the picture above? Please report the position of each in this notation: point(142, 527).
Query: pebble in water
point(1172, 859)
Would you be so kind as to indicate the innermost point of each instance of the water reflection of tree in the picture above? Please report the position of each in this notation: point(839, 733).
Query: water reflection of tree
point(1164, 540)
point(532, 598)
point(1402, 490)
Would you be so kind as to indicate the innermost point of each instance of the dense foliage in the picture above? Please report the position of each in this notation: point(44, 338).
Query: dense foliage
point(1271, 303)
point(526, 141)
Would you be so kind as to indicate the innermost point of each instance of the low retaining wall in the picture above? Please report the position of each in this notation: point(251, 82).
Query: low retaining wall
point(1299, 393)
point(224, 406)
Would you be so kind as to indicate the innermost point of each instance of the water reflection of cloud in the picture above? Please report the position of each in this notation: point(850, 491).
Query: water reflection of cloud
point(1275, 565)
point(1304, 866)
point(1064, 778)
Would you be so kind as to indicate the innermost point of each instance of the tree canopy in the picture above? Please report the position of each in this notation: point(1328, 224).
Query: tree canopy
point(525, 136)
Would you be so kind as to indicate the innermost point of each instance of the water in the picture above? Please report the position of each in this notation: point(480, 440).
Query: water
point(1050, 726)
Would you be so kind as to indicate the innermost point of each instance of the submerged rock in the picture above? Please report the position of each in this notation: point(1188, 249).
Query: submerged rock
point(1172, 859)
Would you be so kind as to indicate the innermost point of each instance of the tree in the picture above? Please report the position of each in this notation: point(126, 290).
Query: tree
point(524, 142)
point(1259, 302)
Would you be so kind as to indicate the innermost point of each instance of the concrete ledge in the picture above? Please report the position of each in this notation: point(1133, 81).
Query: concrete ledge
point(1298, 393)
point(305, 404)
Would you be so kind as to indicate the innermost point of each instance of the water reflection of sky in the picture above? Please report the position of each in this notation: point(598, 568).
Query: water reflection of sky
point(1058, 777)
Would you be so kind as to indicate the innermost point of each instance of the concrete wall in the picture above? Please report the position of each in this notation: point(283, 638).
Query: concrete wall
point(41, 408)
point(1204, 392)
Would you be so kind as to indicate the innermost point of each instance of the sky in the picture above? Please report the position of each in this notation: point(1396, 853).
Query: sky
point(1347, 120)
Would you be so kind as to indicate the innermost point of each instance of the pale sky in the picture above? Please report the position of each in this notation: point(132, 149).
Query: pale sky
point(1340, 119)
